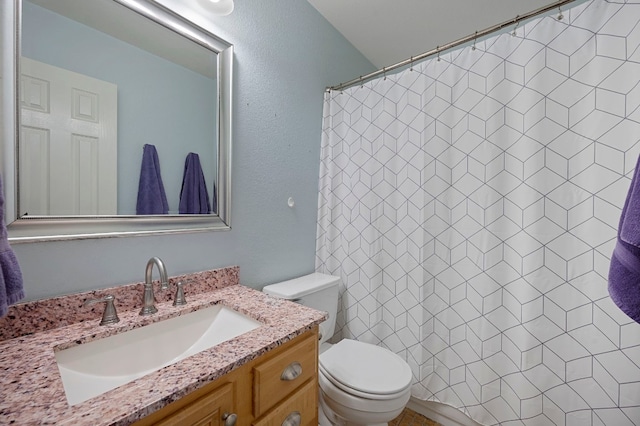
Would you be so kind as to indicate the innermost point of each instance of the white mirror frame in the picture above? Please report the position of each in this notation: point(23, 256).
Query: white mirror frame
point(55, 228)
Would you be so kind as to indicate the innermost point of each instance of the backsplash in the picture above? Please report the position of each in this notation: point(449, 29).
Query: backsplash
point(46, 314)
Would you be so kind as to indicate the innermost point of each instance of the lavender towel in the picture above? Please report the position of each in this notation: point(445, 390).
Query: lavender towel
point(624, 271)
point(194, 198)
point(11, 290)
point(214, 203)
point(151, 196)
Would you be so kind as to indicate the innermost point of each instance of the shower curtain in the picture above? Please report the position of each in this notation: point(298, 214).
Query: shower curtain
point(470, 205)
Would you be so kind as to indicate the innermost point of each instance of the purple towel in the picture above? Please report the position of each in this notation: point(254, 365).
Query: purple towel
point(214, 207)
point(11, 290)
point(624, 271)
point(151, 196)
point(194, 198)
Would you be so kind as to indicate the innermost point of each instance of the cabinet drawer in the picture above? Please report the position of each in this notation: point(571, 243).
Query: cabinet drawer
point(270, 381)
point(207, 410)
point(302, 407)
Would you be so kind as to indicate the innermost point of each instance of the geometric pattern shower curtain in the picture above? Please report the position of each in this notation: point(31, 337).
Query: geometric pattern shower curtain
point(470, 206)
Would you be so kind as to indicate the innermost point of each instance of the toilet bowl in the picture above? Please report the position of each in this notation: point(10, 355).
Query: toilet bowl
point(345, 409)
point(360, 383)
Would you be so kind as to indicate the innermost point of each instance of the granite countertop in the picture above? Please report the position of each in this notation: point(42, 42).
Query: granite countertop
point(32, 390)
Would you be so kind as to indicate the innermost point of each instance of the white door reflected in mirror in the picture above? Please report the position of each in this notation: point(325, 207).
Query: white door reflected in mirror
point(68, 143)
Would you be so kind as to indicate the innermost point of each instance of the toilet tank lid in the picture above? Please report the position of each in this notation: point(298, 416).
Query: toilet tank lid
point(301, 286)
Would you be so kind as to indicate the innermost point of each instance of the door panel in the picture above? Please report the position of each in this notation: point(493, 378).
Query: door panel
point(73, 170)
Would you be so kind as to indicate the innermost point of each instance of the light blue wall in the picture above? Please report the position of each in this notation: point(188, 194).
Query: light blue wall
point(159, 102)
point(286, 54)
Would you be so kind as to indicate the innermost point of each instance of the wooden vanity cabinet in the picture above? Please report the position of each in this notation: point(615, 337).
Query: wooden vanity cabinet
point(301, 409)
point(277, 388)
point(210, 410)
point(209, 405)
point(285, 385)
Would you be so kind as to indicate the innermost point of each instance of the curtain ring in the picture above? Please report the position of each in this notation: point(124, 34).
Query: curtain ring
point(411, 67)
point(438, 52)
point(560, 15)
point(361, 83)
point(515, 33)
point(474, 41)
point(384, 72)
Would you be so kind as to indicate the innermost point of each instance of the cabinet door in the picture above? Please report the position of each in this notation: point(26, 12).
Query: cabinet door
point(208, 410)
point(300, 409)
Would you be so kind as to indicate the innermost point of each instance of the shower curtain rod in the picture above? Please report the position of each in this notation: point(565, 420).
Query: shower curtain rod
point(452, 44)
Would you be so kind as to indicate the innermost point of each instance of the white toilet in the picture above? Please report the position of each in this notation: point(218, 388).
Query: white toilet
point(360, 383)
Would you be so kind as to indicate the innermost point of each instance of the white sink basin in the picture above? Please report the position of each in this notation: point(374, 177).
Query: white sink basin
point(90, 369)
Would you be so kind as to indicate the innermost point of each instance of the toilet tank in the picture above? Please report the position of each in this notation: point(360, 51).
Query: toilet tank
point(317, 291)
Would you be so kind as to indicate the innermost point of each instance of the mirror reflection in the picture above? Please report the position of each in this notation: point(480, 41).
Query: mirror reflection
point(99, 86)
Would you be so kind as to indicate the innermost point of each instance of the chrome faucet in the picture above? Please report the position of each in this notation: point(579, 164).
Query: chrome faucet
point(148, 298)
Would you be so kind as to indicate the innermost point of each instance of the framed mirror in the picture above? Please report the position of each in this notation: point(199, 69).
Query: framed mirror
point(110, 94)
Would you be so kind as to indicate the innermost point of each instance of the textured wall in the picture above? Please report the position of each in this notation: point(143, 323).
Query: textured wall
point(286, 54)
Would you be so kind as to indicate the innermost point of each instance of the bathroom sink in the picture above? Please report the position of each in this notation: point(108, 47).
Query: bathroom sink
point(90, 369)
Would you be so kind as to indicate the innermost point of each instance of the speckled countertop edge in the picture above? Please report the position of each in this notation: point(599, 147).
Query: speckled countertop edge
point(32, 390)
point(46, 314)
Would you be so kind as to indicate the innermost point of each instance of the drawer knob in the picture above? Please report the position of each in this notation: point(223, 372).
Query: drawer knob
point(292, 371)
point(292, 419)
point(229, 419)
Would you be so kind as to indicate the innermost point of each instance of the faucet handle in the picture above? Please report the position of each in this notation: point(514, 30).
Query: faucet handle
point(179, 299)
point(109, 316)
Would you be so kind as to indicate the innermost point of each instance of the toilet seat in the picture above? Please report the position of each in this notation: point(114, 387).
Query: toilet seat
point(365, 370)
point(340, 401)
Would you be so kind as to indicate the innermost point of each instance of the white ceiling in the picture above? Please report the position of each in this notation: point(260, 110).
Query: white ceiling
point(389, 31)
point(120, 22)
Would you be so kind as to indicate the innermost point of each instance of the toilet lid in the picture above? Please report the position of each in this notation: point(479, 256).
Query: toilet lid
point(365, 367)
